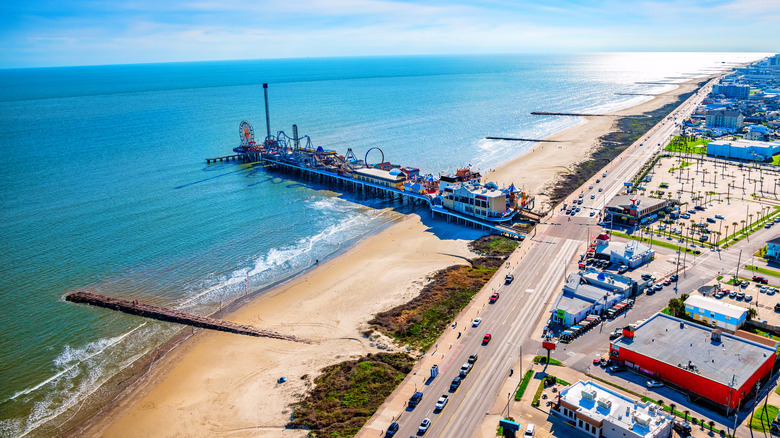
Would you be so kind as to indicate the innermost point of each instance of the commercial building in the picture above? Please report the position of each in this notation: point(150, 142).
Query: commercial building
point(773, 249)
point(718, 367)
point(631, 253)
point(393, 178)
point(634, 209)
point(715, 313)
point(727, 119)
point(589, 293)
point(743, 149)
point(602, 412)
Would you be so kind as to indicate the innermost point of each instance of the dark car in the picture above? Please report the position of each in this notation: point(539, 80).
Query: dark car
point(509, 278)
point(761, 280)
point(674, 277)
point(455, 384)
point(683, 429)
point(473, 358)
point(415, 399)
point(392, 429)
point(616, 369)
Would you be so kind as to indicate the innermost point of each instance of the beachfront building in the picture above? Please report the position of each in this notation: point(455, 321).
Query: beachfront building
point(634, 209)
point(393, 178)
point(715, 313)
point(773, 249)
point(602, 412)
point(472, 198)
point(711, 365)
point(590, 293)
point(726, 119)
point(743, 149)
point(732, 90)
point(631, 253)
point(461, 175)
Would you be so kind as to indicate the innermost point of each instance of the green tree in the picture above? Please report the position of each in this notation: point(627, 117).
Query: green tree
point(711, 424)
point(752, 313)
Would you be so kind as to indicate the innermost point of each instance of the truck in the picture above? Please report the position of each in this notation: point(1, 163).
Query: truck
point(442, 402)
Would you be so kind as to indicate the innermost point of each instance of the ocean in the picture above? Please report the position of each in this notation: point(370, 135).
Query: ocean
point(105, 185)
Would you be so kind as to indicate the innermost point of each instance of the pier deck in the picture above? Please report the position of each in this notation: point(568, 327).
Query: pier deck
point(170, 315)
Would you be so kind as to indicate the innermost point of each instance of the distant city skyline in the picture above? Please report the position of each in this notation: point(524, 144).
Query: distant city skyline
point(76, 32)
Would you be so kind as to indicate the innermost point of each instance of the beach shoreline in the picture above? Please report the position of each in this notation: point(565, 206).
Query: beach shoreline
point(219, 383)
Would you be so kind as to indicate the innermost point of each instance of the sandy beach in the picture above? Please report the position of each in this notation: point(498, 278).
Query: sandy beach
point(219, 384)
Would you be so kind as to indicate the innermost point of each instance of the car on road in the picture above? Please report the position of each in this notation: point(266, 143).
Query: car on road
point(473, 358)
point(592, 196)
point(717, 216)
point(581, 195)
point(601, 189)
point(415, 399)
point(486, 339)
point(658, 287)
point(674, 277)
point(654, 384)
point(426, 423)
point(667, 282)
point(441, 402)
point(590, 188)
point(455, 384)
point(598, 181)
point(392, 429)
point(476, 322)
point(759, 279)
point(494, 297)
point(509, 278)
point(465, 369)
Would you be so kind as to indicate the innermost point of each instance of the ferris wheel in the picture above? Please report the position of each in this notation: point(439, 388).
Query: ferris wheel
point(247, 134)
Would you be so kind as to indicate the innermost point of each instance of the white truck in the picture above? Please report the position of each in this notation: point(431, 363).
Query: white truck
point(442, 402)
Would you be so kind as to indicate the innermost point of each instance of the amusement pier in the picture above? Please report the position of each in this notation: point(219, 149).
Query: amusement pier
point(460, 197)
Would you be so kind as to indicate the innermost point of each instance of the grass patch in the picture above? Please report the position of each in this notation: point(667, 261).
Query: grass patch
point(347, 394)
point(493, 245)
point(762, 418)
point(422, 320)
point(543, 359)
point(524, 384)
point(546, 381)
point(655, 242)
point(766, 271)
point(688, 145)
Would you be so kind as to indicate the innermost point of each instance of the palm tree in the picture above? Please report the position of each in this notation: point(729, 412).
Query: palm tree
point(672, 406)
point(743, 225)
point(727, 231)
point(685, 413)
point(711, 424)
point(735, 226)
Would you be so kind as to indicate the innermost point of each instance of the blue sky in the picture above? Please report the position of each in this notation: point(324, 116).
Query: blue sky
point(37, 33)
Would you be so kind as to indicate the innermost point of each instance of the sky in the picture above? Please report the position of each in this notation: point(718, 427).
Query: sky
point(44, 33)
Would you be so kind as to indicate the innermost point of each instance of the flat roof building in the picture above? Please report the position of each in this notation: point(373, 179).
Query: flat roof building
point(719, 367)
point(750, 150)
point(633, 209)
point(588, 294)
point(394, 177)
point(631, 254)
point(715, 313)
point(602, 412)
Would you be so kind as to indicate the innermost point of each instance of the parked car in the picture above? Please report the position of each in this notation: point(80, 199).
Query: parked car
point(674, 277)
point(777, 307)
point(717, 216)
point(733, 294)
point(744, 284)
point(415, 399)
point(667, 282)
point(683, 429)
point(426, 423)
point(597, 360)
point(616, 334)
point(530, 431)
point(658, 287)
point(486, 339)
point(748, 298)
point(622, 269)
point(455, 384)
point(392, 429)
point(616, 369)
point(654, 384)
point(592, 196)
point(601, 188)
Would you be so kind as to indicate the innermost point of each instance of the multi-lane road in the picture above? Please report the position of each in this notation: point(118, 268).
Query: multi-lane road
point(538, 276)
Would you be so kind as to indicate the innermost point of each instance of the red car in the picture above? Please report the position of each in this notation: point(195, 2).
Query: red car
point(486, 339)
point(667, 282)
point(760, 280)
point(494, 297)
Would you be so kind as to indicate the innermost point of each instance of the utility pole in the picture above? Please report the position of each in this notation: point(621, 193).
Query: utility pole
point(739, 260)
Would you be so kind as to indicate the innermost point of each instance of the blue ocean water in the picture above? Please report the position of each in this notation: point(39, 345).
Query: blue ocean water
point(105, 185)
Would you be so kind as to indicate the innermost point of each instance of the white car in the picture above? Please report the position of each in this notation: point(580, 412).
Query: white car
point(476, 322)
point(442, 402)
point(654, 384)
point(426, 423)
